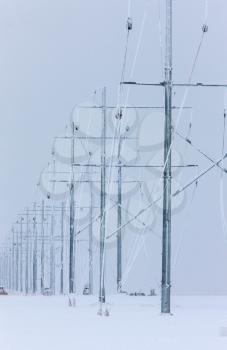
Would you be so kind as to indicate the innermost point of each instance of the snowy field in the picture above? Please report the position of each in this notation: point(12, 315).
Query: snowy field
point(48, 323)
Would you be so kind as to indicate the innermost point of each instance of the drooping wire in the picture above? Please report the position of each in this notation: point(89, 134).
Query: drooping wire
point(222, 199)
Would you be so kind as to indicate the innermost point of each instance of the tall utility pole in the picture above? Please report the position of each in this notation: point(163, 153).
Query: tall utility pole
point(21, 255)
point(91, 241)
point(62, 248)
point(42, 248)
point(166, 238)
point(103, 202)
point(168, 84)
point(72, 218)
point(52, 255)
point(27, 251)
point(34, 263)
point(119, 221)
point(52, 243)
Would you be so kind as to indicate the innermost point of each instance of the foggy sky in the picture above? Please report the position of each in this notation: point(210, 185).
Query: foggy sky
point(55, 53)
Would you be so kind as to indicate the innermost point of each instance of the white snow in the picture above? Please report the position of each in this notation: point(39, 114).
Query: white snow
point(47, 323)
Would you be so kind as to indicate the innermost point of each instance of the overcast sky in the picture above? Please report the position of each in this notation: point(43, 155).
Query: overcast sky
point(54, 54)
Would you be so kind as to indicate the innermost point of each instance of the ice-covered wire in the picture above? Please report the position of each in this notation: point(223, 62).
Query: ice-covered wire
point(222, 198)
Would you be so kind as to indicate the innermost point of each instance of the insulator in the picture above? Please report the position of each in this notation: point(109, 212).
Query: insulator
point(119, 114)
point(205, 28)
point(129, 23)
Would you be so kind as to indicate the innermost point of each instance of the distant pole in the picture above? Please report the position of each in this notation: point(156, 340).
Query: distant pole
point(34, 264)
point(52, 257)
point(6, 267)
point(42, 248)
point(1, 265)
point(21, 255)
point(103, 203)
point(30, 265)
point(166, 239)
point(17, 262)
point(119, 222)
point(72, 219)
point(9, 265)
point(62, 248)
point(13, 259)
point(27, 251)
point(91, 242)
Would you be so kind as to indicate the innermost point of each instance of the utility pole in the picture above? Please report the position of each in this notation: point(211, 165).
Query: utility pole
point(34, 267)
point(119, 221)
point(52, 257)
point(166, 236)
point(62, 248)
point(30, 265)
point(9, 272)
point(72, 219)
point(103, 204)
point(21, 255)
point(91, 242)
point(17, 263)
point(27, 252)
point(13, 259)
point(52, 243)
point(6, 266)
point(42, 248)
point(168, 84)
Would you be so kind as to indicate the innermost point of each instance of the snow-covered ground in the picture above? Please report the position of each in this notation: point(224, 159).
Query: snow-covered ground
point(48, 323)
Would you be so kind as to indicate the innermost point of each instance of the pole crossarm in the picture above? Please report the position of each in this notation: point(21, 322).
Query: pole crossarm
point(200, 85)
point(87, 137)
point(130, 107)
point(163, 84)
point(135, 166)
point(97, 181)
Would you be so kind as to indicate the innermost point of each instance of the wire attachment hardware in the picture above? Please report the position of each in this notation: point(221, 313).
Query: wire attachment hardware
point(129, 23)
point(205, 28)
